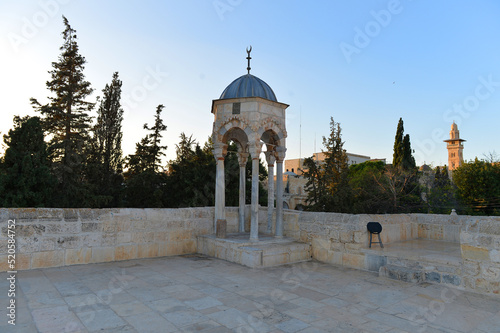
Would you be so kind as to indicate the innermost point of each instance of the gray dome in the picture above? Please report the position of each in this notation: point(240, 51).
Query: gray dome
point(248, 86)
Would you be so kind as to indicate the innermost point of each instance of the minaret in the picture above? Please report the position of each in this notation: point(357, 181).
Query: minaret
point(455, 148)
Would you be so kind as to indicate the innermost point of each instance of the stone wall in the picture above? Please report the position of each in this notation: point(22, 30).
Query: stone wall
point(57, 237)
point(480, 246)
point(342, 239)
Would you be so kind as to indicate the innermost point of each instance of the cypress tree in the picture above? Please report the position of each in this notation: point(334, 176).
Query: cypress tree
point(66, 119)
point(397, 157)
point(408, 161)
point(105, 163)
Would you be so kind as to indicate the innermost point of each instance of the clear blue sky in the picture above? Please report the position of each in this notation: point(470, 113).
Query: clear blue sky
point(364, 63)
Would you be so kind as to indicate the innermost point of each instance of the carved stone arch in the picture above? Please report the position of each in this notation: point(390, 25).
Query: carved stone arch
point(271, 132)
point(229, 123)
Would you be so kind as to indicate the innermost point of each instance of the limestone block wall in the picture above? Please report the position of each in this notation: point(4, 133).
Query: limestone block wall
point(47, 237)
point(342, 239)
point(480, 246)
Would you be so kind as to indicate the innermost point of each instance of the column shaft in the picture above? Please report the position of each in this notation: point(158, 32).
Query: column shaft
point(220, 193)
point(279, 199)
point(270, 198)
point(241, 212)
point(254, 223)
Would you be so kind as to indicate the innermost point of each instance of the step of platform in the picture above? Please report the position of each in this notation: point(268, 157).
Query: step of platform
point(266, 252)
point(418, 261)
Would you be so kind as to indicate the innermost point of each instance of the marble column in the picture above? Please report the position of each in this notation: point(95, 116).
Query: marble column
point(255, 149)
point(220, 151)
point(270, 189)
point(280, 157)
point(242, 160)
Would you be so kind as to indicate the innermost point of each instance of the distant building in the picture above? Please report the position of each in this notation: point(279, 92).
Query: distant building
point(297, 164)
point(295, 194)
point(455, 148)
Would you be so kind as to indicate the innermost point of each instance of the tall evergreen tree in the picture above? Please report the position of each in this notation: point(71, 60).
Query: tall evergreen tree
point(314, 187)
point(145, 177)
point(149, 151)
point(25, 178)
point(105, 163)
point(407, 161)
point(397, 157)
point(336, 171)
point(108, 130)
point(66, 119)
point(328, 183)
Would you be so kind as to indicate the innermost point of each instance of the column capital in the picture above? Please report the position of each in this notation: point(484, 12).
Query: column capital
point(255, 148)
point(270, 158)
point(220, 150)
point(242, 159)
point(280, 154)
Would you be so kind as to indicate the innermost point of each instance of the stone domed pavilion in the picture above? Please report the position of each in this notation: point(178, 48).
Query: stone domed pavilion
point(249, 114)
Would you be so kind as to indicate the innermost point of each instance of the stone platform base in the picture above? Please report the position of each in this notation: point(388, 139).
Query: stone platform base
point(268, 251)
point(418, 261)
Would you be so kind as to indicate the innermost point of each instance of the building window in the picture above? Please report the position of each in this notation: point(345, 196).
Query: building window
point(236, 108)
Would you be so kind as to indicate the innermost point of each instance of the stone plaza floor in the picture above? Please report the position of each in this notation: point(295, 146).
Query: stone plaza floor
point(195, 293)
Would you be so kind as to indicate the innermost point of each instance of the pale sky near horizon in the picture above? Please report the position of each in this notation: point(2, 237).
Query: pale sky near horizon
point(364, 63)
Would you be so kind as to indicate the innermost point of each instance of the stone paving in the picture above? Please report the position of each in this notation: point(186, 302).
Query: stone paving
point(200, 294)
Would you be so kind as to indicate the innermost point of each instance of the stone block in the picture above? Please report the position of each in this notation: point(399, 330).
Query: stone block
point(77, 256)
point(471, 268)
point(353, 260)
point(23, 261)
point(174, 248)
point(109, 226)
point(346, 236)
point(68, 242)
point(91, 227)
point(474, 253)
point(451, 279)
point(125, 252)
point(148, 250)
point(353, 247)
point(466, 238)
point(108, 239)
point(122, 224)
point(275, 259)
point(221, 228)
point(63, 228)
point(434, 277)
point(28, 244)
point(143, 237)
point(124, 237)
point(92, 240)
point(27, 230)
point(495, 256)
point(490, 272)
point(70, 215)
point(103, 254)
point(374, 262)
point(47, 259)
point(48, 244)
point(361, 237)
